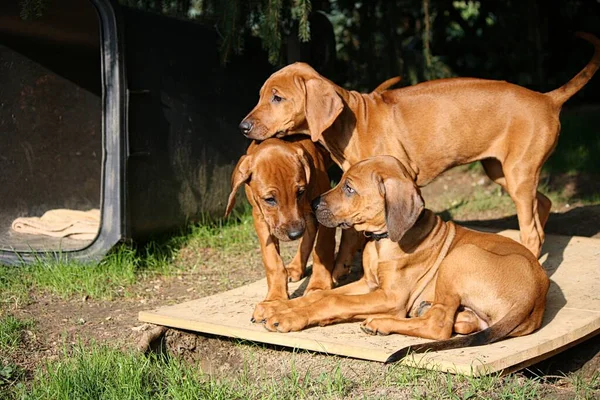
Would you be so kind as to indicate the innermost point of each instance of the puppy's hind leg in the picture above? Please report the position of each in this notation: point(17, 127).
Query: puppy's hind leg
point(533, 207)
point(466, 321)
point(437, 323)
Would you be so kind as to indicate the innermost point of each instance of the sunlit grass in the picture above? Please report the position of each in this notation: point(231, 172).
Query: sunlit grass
point(11, 331)
point(100, 372)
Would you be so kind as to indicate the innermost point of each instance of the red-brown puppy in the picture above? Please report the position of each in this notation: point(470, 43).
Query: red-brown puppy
point(281, 178)
point(422, 276)
point(429, 127)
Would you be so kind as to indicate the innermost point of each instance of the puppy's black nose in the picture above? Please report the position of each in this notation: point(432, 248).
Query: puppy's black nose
point(315, 203)
point(246, 126)
point(293, 235)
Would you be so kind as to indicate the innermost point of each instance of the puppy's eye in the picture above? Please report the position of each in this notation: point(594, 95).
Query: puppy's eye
point(348, 189)
point(276, 99)
point(270, 201)
point(300, 192)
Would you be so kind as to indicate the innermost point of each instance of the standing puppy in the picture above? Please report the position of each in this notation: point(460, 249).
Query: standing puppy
point(429, 127)
point(281, 178)
point(423, 277)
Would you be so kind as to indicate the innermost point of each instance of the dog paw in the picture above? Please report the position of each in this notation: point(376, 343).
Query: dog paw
point(294, 273)
point(265, 309)
point(340, 271)
point(374, 326)
point(286, 321)
point(367, 330)
point(317, 286)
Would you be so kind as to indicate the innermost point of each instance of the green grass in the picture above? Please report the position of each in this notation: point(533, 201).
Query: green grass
point(104, 373)
point(67, 278)
point(483, 199)
point(11, 337)
point(233, 235)
point(100, 372)
point(125, 265)
point(122, 267)
point(11, 331)
point(10, 378)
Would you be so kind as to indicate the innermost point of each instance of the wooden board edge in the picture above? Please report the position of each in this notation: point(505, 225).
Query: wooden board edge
point(542, 357)
point(476, 368)
point(261, 337)
point(309, 344)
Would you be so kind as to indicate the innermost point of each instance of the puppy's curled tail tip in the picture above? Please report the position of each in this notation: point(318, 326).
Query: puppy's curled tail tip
point(398, 355)
point(589, 37)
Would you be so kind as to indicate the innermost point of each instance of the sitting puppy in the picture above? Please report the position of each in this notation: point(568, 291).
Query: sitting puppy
point(422, 276)
point(281, 178)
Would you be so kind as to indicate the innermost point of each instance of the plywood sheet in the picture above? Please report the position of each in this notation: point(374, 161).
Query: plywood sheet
point(572, 315)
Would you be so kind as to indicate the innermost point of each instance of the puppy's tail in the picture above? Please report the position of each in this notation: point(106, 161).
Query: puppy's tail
point(565, 92)
point(385, 85)
point(499, 330)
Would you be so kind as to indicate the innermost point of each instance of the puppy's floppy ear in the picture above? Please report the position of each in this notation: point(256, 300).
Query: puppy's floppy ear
point(241, 174)
point(322, 105)
point(403, 205)
point(306, 161)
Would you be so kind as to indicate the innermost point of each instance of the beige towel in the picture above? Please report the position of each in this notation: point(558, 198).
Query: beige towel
point(80, 225)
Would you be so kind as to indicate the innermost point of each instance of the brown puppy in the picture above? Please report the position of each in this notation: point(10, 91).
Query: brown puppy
point(423, 277)
point(281, 178)
point(429, 127)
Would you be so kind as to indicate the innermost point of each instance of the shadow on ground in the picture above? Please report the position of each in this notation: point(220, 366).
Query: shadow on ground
point(579, 221)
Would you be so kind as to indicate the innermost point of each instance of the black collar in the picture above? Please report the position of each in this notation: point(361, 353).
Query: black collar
point(376, 236)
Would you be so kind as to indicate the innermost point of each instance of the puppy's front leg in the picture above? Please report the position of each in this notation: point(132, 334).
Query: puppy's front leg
point(333, 308)
point(323, 256)
point(274, 267)
point(296, 268)
point(269, 308)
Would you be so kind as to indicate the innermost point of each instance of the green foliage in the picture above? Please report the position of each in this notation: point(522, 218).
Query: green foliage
point(31, 9)
point(270, 30)
point(11, 331)
point(125, 265)
point(109, 278)
point(100, 372)
point(418, 40)
point(235, 19)
point(234, 235)
point(10, 375)
point(231, 15)
point(300, 12)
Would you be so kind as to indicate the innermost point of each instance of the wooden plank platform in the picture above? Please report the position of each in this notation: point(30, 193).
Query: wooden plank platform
point(572, 315)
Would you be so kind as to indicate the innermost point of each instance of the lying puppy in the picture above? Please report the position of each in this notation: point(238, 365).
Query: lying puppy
point(281, 178)
point(429, 127)
point(423, 277)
